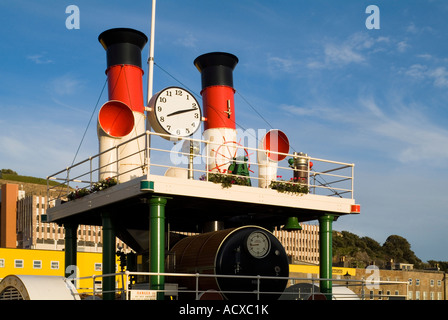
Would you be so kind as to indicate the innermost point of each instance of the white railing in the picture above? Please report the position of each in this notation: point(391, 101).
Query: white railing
point(326, 177)
point(126, 286)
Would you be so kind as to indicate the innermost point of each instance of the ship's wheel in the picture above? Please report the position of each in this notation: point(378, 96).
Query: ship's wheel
point(228, 152)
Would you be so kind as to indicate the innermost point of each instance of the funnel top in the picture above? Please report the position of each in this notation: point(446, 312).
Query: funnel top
point(216, 68)
point(122, 35)
point(123, 46)
point(216, 59)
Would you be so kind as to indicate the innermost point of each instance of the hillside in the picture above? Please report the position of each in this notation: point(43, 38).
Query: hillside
point(31, 185)
point(354, 251)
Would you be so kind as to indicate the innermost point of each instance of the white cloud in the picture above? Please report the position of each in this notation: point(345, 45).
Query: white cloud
point(354, 50)
point(402, 46)
point(283, 64)
point(438, 75)
point(65, 85)
point(396, 130)
point(188, 41)
point(39, 59)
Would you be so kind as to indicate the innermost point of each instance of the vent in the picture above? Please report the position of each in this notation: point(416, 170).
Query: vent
point(10, 293)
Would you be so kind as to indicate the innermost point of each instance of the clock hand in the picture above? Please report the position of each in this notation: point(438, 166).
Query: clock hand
point(180, 111)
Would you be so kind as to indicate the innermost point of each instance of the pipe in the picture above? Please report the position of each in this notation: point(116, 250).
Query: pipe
point(122, 117)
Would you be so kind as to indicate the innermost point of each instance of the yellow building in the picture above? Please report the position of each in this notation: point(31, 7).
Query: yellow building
point(50, 263)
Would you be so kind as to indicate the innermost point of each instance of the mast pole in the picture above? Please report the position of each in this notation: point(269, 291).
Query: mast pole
point(151, 53)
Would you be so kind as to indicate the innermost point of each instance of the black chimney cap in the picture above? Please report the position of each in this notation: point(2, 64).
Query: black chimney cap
point(123, 46)
point(216, 68)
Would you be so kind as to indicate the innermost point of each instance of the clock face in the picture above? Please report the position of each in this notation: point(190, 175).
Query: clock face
point(258, 244)
point(175, 111)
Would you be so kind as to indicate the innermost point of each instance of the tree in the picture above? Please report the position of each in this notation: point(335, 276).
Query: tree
point(399, 249)
point(8, 171)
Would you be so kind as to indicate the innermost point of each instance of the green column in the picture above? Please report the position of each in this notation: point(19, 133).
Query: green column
point(157, 244)
point(71, 238)
point(108, 256)
point(326, 254)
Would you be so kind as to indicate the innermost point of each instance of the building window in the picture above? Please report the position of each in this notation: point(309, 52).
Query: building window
point(410, 281)
point(98, 267)
point(431, 282)
point(37, 264)
point(2, 263)
point(54, 265)
point(18, 263)
point(410, 296)
point(397, 292)
point(371, 294)
point(380, 295)
point(439, 283)
point(417, 295)
point(417, 282)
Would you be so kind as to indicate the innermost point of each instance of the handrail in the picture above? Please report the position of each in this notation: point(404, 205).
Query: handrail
point(125, 285)
point(339, 174)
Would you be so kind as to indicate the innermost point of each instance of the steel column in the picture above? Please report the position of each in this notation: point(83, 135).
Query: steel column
point(71, 238)
point(157, 244)
point(108, 256)
point(326, 254)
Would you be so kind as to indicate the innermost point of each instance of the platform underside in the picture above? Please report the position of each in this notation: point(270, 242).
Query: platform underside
point(192, 203)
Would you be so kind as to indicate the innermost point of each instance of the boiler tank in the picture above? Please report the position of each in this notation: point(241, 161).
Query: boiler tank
point(243, 251)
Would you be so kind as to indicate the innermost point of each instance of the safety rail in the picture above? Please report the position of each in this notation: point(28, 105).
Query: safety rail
point(325, 177)
point(298, 288)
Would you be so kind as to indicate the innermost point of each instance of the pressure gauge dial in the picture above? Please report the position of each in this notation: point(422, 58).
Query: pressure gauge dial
point(174, 111)
point(258, 244)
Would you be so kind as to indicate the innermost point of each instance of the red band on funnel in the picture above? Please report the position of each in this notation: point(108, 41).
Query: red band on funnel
point(219, 112)
point(276, 141)
point(125, 85)
point(116, 119)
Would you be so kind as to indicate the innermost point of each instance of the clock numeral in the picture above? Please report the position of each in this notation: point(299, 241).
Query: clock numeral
point(194, 105)
point(162, 99)
point(159, 109)
point(168, 127)
point(196, 115)
point(168, 93)
point(162, 119)
point(178, 132)
point(188, 97)
point(187, 130)
point(178, 92)
point(193, 124)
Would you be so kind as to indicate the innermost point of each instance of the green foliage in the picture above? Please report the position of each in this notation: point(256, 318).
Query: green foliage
point(288, 187)
point(8, 174)
point(361, 252)
point(8, 171)
point(227, 180)
point(98, 186)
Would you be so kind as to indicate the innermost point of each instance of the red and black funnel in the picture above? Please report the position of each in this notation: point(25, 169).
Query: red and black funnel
point(124, 75)
point(216, 70)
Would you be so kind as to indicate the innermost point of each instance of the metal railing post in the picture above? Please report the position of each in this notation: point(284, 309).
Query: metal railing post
point(197, 286)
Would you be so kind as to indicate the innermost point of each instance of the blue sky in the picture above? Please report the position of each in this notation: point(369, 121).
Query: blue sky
point(376, 98)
